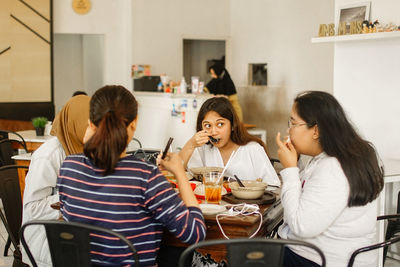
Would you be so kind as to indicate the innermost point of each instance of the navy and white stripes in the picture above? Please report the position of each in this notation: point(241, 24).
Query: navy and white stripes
point(135, 200)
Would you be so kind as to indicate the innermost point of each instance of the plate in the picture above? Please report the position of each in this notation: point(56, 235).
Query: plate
point(211, 209)
point(271, 188)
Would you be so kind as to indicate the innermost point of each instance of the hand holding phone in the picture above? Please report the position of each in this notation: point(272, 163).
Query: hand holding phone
point(164, 154)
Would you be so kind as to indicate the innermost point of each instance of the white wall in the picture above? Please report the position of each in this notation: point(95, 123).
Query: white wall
point(279, 33)
point(68, 72)
point(93, 62)
point(158, 29)
point(111, 18)
point(366, 82)
point(276, 32)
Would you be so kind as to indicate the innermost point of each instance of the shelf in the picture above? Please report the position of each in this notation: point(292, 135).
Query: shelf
point(356, 37)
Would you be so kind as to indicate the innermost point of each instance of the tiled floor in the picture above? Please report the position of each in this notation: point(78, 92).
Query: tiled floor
point(7, 261)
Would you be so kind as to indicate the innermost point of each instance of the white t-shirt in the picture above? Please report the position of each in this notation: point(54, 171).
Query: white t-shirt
point(249, 162)
point(39, 194)
point(314, 200)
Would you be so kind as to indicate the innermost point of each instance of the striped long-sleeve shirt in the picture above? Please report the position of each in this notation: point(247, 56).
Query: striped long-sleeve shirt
point(135, 200)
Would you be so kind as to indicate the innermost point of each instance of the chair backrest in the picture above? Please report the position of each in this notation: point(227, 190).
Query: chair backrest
point(149, 155)
point(245, 252)
point(5, 134)
point(10, 195)
point(7, 151)
point(392, 226)
point(69, 242)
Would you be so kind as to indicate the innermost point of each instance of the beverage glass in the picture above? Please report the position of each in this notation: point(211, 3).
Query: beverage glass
point(213, 187)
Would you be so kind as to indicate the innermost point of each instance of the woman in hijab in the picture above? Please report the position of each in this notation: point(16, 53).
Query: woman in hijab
point(69, 128)
point(222, 84)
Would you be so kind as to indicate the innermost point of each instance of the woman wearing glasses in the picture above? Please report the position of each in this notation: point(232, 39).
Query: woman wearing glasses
point(330, 199)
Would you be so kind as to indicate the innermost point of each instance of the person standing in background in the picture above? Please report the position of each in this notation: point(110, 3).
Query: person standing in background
point(222, 84)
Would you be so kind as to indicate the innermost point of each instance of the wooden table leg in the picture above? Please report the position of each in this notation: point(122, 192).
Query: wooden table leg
point(22, 174)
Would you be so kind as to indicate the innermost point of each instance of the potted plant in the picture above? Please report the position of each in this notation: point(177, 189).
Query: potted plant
point(39, 123)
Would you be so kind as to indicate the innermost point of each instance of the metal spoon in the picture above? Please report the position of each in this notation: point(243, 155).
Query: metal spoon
point(238, 180)
point(214, 140)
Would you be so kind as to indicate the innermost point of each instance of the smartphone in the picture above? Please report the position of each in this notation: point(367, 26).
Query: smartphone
point(164, 154)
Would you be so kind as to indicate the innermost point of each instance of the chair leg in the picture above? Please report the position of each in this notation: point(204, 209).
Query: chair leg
point(18, 259)
point(7, 246)
point(390, 231)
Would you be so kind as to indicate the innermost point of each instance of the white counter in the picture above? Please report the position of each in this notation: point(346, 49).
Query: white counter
point(157, 123)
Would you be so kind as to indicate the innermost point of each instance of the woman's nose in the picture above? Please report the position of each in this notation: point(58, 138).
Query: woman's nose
point(213, 130)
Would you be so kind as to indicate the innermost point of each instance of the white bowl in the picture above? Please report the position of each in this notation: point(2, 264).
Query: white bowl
point(252, 189)
point(199, 172)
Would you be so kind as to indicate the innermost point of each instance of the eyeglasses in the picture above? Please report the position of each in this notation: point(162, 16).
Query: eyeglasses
point(290, 124)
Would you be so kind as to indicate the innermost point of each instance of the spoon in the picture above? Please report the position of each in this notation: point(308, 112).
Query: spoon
point(214, 140)
point(238, 180)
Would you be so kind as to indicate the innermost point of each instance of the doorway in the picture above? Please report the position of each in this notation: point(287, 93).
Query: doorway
point(78, 65)
point(199, 55)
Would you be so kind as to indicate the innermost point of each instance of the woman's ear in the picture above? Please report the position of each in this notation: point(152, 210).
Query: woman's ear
point(133, 124)
point(316, 132)
point(90, 130)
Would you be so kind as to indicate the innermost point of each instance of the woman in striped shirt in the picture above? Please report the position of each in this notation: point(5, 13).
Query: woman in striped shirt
point(106, 187)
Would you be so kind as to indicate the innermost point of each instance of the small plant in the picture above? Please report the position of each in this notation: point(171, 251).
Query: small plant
point(39, 122)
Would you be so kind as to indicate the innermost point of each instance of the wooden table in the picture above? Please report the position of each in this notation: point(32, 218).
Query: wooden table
point(239, 226)
point(32, 141)
point(22, 160)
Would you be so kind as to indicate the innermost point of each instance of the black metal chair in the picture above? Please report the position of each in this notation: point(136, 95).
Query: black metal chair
point(7, 151)
point(69, 242)
point(393, 226)
point(149, 155)
point(246, 252)
point(4, 134)
point(389, 239)
point(10, 195)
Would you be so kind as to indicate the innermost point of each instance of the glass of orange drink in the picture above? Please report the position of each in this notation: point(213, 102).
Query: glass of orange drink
point(213, 186)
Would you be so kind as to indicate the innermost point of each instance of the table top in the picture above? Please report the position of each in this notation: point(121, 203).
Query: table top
point(25, 156)
point(30, 136)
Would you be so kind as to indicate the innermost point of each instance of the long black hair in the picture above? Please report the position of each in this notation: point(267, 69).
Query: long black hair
point(339, 139)
point(224, 108)
point(112, 109)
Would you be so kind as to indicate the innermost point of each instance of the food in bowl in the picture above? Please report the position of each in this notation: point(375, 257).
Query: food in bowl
point(199, 172)
point(252, 189)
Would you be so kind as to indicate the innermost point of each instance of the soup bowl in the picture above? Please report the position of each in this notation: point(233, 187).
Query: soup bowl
point(252, 189)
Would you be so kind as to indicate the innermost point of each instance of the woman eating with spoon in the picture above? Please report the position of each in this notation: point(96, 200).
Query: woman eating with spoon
point(220, 134)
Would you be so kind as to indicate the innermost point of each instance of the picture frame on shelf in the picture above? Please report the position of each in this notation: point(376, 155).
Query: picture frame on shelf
point(348, 13)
